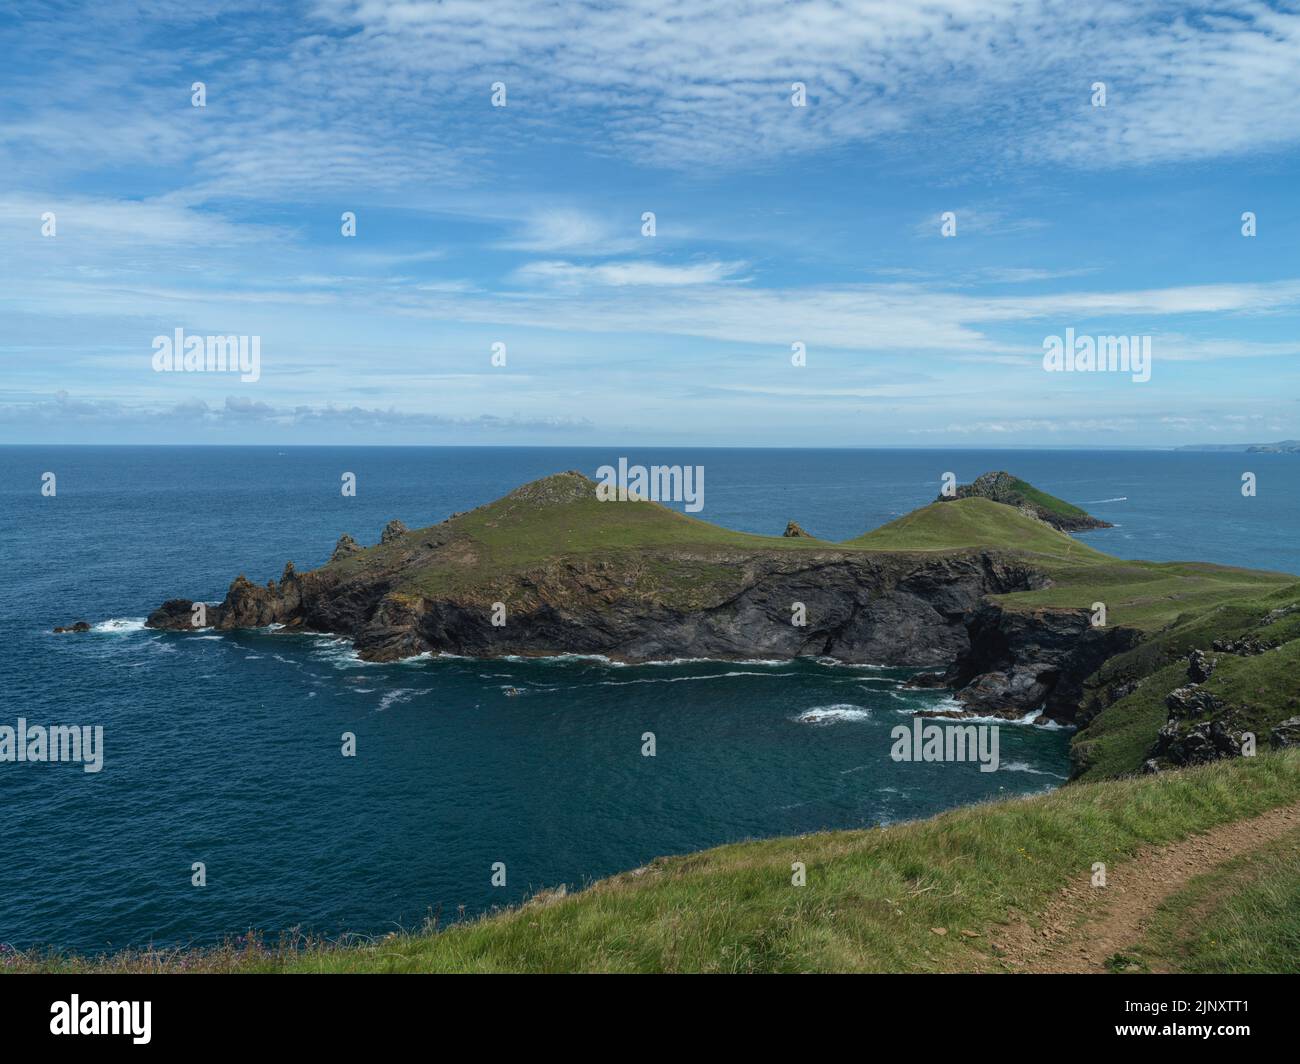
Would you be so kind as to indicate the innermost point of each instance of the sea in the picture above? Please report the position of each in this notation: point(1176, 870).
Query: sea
point(224, 751)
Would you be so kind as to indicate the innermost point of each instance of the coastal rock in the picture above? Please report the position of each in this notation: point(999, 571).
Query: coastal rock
point(1246, 646)
point(173, 615)
point(1199, 666)
point(924, 681)
point(1197, 745)
point(393, 530)
point(1286, 733)
point(77, 626)
point(792, 531)
point(344, 547)
point(1191, 701)
point(1058, 648)
point(1013, 693)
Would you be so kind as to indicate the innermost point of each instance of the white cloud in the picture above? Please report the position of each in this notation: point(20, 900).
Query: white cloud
point(624, 274)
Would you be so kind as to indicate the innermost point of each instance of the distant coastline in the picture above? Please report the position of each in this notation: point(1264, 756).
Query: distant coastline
point(1281, 447)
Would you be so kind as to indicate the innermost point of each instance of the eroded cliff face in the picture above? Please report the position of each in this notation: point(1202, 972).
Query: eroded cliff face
point(1026, 659)
point(907, 609)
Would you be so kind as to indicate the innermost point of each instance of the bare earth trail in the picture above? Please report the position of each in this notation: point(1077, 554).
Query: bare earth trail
point(1087, 925)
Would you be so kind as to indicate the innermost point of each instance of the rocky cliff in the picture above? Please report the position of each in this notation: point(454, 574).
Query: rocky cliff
point(548, 570)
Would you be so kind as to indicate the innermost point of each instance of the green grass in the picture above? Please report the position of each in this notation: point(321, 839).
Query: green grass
point(871, 901)
point(1259, 691)
point(1243, 917)
point(976, 523)
point(1047, 502)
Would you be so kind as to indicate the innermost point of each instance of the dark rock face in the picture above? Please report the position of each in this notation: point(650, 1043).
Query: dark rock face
point(924, 681)
point(1191, 701)
point(877, 609)
point(345, 546)
point(1287, 733)
point(792, 530)
point(858, 609)
point(1028, 659)
point(1201, 743)
point(1013, 693)
point(1199, 666)
point(1201, 727)
point(78, 626)
point(393, 530)
point(1246, 646)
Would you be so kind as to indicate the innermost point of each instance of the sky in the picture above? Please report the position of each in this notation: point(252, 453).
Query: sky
point(499, 160)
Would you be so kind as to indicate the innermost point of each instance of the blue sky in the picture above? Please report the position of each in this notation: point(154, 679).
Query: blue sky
point(775, 224)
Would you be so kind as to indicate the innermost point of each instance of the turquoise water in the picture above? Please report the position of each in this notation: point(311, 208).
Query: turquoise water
point(224, 749)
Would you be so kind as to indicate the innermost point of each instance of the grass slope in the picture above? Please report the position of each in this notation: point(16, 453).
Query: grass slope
point(1239, 919)
point(1259, 690)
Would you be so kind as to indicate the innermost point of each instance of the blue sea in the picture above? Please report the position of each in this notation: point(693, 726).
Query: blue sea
point(225, 749)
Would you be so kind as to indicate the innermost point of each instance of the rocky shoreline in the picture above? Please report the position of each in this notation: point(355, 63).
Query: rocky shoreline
point(915, 609)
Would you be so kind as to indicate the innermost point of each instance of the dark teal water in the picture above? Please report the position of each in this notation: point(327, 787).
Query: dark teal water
point(225, 749)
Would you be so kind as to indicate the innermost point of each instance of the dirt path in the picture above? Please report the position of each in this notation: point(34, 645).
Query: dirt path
point(1086, 925)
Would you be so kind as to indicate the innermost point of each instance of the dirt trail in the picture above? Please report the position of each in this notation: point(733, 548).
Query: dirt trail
point(1086, 925)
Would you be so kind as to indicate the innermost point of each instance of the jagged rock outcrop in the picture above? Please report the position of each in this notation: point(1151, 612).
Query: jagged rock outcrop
point(1201, 727)
point(792, 531)
point(1184, 703)
point(77, 626)
point(1207, 741)
point(393, 530)
point(1286, 733)
point(1246, 646)
point(1199, 666)
point(345, 546)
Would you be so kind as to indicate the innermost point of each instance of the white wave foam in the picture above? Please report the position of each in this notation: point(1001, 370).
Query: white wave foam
point(1021, 766)
point(402, 694)
point(1029, 718)
point(120, 624)
point(841, 711)
point(689, 679)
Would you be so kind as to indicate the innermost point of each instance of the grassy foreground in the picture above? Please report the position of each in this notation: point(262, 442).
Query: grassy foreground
point(1243, 918)
point(918, 897)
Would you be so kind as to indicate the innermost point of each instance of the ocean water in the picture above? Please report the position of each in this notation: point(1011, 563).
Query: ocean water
point(224, 749)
